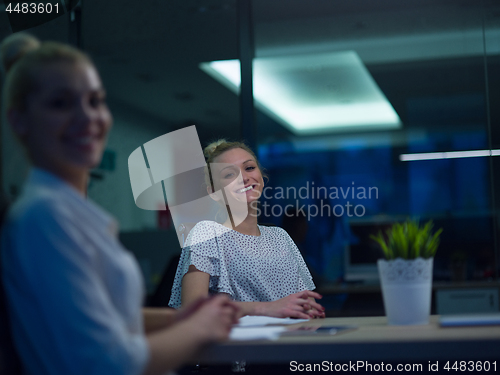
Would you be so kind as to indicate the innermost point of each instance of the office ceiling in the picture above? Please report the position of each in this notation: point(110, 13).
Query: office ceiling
point(148, 52)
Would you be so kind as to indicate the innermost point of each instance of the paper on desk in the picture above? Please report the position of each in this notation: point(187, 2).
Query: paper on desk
point(256, 333)
point(259, 321)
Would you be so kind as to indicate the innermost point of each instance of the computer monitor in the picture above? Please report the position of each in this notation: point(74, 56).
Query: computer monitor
point(468, 237)
point(362, 252)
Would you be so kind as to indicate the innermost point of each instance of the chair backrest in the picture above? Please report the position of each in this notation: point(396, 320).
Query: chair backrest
point(161, 296)
point(268, 224)
point(9, 359)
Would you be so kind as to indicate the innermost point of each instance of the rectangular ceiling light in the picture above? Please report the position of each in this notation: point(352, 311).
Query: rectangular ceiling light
point(314, 93)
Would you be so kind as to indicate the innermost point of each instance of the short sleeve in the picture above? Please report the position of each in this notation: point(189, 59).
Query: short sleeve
point(62, 311)
point(202, 251)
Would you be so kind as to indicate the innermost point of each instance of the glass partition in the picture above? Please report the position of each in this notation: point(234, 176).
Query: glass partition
point(399, 121)
point(14, 163)
point(492, 80)
point(148, 55)
point(366, 113)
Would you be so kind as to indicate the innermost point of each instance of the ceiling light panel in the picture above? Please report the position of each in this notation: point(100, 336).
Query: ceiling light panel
point(314, 93)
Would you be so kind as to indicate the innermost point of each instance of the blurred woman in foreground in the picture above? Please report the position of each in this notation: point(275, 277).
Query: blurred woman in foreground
point(74, 294)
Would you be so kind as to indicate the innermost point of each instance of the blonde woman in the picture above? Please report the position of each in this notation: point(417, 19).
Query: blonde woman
point(259, 267)
point(74, 294)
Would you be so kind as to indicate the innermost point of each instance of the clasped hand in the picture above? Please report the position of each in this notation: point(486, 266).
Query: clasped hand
point(213, 316)
point(300, 305)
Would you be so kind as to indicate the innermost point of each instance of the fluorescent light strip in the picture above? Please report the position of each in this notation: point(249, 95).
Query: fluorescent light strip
point(448, 155)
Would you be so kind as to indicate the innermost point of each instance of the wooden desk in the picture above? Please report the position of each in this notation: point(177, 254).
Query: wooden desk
point(373, 341)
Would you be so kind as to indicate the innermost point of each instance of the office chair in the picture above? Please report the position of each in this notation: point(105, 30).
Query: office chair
point(161, 296)
point(9, 359)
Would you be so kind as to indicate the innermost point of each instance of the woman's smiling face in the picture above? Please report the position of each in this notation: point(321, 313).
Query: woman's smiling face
point(238, 173)
point(67, 120)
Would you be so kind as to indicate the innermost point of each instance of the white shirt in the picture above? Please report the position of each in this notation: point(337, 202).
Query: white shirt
point(248, 268)
point(74, 294)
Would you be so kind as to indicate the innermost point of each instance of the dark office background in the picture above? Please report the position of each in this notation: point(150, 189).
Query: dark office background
point(436, 61)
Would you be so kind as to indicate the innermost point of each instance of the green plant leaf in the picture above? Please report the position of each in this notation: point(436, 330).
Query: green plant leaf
point(409, 240)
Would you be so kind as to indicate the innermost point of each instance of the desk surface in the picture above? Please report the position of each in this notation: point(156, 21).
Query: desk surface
point(373, 340)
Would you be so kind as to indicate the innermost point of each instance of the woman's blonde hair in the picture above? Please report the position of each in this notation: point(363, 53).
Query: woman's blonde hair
point(22, 55)
point(217, 148)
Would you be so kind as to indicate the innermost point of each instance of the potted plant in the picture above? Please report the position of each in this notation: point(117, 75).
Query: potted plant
point(406, 273)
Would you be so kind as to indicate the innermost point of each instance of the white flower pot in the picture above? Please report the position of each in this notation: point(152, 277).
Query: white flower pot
point(406, 289)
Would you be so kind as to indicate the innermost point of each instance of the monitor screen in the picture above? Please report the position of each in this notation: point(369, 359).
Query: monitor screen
point(362, 252)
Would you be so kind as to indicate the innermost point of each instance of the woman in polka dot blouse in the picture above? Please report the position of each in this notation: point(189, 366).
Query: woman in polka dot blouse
point(259, 267)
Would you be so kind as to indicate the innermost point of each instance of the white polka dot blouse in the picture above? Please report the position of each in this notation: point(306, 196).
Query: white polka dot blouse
point(248, 268)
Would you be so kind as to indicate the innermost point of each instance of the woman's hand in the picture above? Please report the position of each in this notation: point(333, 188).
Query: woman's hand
point(314, 312)
point(199, 324)
point(298, 305)
point(212, 317)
